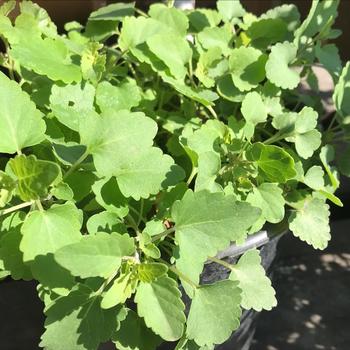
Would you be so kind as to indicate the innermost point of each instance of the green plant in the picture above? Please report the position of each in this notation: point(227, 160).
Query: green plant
point(136, 147)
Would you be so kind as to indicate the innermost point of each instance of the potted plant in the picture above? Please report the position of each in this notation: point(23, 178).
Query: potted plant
point(143, 148)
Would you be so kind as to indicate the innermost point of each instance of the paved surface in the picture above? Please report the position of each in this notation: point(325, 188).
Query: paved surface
point(313, 289)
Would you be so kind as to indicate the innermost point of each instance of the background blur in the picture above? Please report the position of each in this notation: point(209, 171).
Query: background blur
point(63, 11)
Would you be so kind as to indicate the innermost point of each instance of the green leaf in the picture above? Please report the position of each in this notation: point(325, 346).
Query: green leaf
point(105, 222)
point(247, 67)
point(171, 17)
point(328, 56)
point(142, 337)
point(149, 272)
point(51, 275)
point(269, 198)
point(327, 155)
point(62, 191)
point(173, 50)
point(257, 292)
point(311, 223)
point(208, 137)
point(93, 62)
point(300, 129)
point(205, 97)
point(108, 195)
point(71, 103)
point(216, 37)
point(215, 313)
point(275, 164)
point(277, 66)
point(97, 255)
point(205, 224)
point(7, 186)
point(314, 177)
point(341, 96)
point(321, 15)
point(10, 254)
point(253, 108)
point(46, 231)
point(140, 169)
point(120, 291)
point(136, 31)
point(77, 322)
point(124, 96)
point(113, 12)
point(288, 13)
point(230, 9)
point(34, 176)
point(209, 165)
point(19, 116)
point(208, 65)
point(7, 7)
point(160, 304)
point(47, 56)
point(267, 31)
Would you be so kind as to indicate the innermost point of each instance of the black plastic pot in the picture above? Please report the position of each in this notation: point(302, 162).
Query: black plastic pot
point(241, 339)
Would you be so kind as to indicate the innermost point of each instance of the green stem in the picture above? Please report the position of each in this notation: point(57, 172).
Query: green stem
point(163, 234)
point(76, 164)
point(140, 218)
point(292, 205)
point(212, 112)
point(15, 208)
point(275, 138)
point(106, 283)
point(192, 175)
point(140, 12)
point(39, 205)
point(181, 275)
point(221, 262)
point(133, 224)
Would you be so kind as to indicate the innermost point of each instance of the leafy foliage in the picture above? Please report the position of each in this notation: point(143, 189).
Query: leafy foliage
point(138, 146)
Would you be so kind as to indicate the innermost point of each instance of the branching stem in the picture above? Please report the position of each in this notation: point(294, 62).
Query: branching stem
point(15, 208)
point(163, 234)
point(76, 164)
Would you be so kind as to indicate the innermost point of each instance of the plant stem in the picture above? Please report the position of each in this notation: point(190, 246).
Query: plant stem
point(275, 138)
point(140, 218)
point(140, 12)
point(106, 283)
point(163, 234)
point(292, 205)
point(15, 208)
point(39, 205)
point(221, 262)
point(133, 224)
point(76, 164)
point(192, 175)
point(212, 112)
point(181, 275)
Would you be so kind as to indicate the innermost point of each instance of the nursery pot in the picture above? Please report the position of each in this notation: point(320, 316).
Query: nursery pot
point(242, 338)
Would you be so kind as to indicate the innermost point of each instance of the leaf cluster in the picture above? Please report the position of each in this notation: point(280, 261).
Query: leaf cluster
point(136, 147)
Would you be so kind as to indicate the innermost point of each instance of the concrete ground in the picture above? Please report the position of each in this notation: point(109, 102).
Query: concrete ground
point(313, 290)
